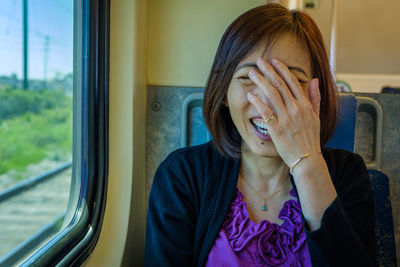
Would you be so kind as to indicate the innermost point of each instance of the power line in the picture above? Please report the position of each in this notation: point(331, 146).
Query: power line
point(9, 16)
point(32, 29)
point(63, 6)
point(13, 37)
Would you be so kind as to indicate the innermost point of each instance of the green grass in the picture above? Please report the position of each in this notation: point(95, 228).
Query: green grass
point(34, 135)
point(16, 102)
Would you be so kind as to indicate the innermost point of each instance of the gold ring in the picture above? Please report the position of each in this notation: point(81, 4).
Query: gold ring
point(269, 119)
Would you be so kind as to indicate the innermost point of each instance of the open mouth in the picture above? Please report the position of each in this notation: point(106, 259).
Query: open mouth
point(260, 129)
point(260, 126)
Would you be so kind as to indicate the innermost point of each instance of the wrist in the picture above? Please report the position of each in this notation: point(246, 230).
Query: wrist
point(310, 164)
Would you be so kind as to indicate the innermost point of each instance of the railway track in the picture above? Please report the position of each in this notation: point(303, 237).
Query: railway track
point(32, 211)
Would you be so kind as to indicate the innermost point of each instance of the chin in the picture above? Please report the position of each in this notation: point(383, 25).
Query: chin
point(267, 149)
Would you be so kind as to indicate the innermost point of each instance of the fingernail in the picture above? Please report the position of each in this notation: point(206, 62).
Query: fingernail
point(260, 61)
point(316, 82)
point(274, 61)
point(250, 97)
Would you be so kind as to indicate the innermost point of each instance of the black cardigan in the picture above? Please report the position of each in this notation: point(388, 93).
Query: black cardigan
point(194, 187)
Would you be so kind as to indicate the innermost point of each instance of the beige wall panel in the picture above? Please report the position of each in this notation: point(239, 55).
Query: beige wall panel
point(369, 37)
point(184, 35)
point(125, 189)
point(322, 16)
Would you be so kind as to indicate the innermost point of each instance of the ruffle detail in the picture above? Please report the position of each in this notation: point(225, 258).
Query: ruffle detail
point(276, 244)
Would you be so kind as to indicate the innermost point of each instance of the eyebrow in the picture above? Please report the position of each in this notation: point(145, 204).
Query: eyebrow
point(254, 65)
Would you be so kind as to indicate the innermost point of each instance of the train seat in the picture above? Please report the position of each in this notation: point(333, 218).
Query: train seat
point(384, 231)
point(194, 131)
point(343, 136)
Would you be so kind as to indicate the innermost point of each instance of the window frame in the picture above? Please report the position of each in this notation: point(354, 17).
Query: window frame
point(73, 244)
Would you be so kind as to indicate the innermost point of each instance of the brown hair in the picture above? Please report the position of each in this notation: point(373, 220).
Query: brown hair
point(260, 24)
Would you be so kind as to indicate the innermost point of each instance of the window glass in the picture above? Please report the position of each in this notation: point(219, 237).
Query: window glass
point(36, 118)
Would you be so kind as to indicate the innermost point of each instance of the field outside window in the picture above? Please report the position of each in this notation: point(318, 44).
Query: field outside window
point(36, 91)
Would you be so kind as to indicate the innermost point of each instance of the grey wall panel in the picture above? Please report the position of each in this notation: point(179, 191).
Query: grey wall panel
point(163, 124)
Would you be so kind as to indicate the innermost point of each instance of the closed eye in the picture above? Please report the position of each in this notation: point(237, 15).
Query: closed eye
point(302, 80)
point(245, 80)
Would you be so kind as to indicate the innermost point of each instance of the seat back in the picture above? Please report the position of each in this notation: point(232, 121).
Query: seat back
point(343, 136)
point(384, 229)
point(171, 124)
point(194, 130)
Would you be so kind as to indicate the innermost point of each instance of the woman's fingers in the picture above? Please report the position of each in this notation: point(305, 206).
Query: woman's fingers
point(262, 108)
point(289, 79)
point(314, 95)
point(283, 95)
point(275, 80)
point(273, 97)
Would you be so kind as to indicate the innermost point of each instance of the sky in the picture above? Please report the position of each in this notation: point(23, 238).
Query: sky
point(48, 19)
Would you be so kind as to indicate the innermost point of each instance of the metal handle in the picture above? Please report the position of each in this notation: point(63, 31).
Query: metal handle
point(372, 107)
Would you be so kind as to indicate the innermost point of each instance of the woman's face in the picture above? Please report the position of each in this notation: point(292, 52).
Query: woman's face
point(246, 118)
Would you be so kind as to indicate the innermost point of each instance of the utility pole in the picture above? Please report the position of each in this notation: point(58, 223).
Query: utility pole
point(46, 58)
point(333, 48)
point(25, 44)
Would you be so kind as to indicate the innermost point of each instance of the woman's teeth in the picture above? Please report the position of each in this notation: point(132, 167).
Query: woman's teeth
point(260, 126)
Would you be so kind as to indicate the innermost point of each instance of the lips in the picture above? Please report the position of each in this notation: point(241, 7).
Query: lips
point(260, 129)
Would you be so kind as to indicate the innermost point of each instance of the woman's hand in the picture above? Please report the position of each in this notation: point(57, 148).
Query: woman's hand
point(295, 128)
point(295, 131)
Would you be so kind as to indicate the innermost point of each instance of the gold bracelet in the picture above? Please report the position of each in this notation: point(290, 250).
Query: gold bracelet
point(297, 161)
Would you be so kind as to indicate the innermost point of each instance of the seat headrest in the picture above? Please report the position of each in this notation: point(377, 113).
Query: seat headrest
point(343, 136)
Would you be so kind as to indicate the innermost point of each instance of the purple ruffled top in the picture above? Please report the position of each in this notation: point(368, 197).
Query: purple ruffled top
point(242, 242)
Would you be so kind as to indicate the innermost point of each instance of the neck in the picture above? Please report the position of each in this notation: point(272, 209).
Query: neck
point(267, 173)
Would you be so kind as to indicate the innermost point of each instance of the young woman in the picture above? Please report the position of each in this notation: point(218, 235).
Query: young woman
point(265, 191)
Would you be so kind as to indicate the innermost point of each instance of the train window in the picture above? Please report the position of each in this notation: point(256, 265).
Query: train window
point(53, 129)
